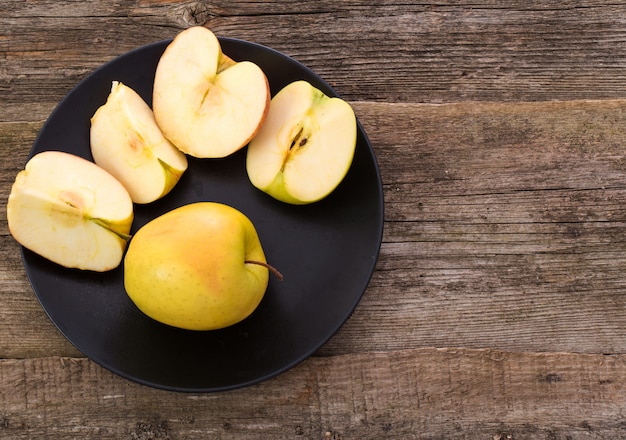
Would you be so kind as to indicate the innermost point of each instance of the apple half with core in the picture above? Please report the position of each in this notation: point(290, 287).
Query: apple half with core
point(197, 267)
point(70, 211)
point(127, 142)
point(305, 147)
point(207, 104)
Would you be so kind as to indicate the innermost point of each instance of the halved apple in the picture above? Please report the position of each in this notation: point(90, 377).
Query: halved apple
point(127, 142)
point(70, 211)
point(305, 147)
point(206, 104)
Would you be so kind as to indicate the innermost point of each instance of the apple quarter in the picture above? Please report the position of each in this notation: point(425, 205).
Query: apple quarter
point(305, 146)
point(70, 211)
point(207, 105)
point(127, 142)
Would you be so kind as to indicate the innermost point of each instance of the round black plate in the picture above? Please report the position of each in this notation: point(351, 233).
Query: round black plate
point(326, 251)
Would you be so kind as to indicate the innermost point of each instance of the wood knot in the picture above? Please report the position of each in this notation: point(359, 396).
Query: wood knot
point(196, 13)
point(552, 378)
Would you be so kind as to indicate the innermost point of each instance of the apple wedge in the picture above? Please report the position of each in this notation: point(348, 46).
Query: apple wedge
point(70, 211)
point(305, 147)
point(127, 142)
point(206, 104)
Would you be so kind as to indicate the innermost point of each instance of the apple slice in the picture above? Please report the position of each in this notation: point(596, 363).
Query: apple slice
point(305, 147)
point(127, 142)
point(70, 211)
point(206, 104)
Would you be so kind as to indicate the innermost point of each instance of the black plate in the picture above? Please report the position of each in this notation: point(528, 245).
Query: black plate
point(326, 251)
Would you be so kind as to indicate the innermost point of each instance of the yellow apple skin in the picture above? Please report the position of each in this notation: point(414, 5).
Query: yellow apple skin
point(191, 267)
point(205, 103)
point(305, 146)
point(70, 211)
point(127, 142)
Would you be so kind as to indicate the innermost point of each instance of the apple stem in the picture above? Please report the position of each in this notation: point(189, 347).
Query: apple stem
point(271, 268)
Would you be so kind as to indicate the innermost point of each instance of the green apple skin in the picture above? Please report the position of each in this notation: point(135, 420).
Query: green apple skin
point(191, 267)
point(277, 189)
point(70, 211)
point(305, 147)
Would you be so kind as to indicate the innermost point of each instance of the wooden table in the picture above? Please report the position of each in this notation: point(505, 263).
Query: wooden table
point(497, 308)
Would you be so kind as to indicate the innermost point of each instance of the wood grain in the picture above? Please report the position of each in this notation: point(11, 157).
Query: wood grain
point(405, 394)
point(375, 51)
point(496, 310)
point(504, 228)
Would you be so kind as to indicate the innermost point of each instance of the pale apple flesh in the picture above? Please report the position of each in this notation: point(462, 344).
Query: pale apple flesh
point(196, 267)
point(305, 147)
point(207, 104)
point(70, 211)
point(127, 142)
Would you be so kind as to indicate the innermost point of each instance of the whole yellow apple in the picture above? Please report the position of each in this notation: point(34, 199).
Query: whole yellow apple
point(197, 267)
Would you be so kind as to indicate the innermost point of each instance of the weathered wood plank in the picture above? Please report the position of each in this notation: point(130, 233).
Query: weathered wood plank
point(513, 51)
point(26, 329)
point(501, 219)
point(504, 225)
point(521, 245)
point(410, 394)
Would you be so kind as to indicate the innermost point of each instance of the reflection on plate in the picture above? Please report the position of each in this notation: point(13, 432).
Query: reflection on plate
point(326, 251)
